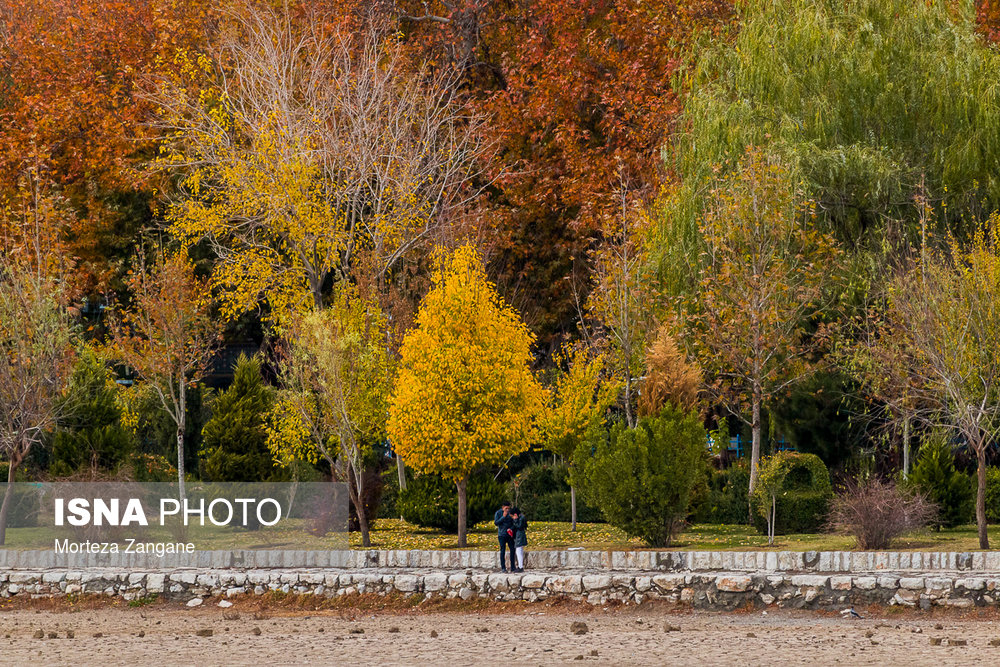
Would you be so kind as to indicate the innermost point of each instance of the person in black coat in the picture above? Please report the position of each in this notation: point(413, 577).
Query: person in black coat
point(520, 536)
point(505, 535)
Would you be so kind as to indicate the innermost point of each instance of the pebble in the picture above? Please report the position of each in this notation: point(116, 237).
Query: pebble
point(578, 628)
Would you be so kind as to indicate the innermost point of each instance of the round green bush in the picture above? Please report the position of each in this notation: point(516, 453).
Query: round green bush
point(431, 501)
point(726, 502)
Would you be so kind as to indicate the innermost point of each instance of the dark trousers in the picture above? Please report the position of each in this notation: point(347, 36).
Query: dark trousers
point(507, 542)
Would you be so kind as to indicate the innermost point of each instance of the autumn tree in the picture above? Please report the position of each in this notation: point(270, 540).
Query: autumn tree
point(579, 396)
point(166, 335)
point(337, 374)
point(578, 92)
point(465, 396)
point(35, 337)
point(73, 106)
point(311, 152)
point(764, 280)
point(832, 89)
point(619, 299)
point(946, 311)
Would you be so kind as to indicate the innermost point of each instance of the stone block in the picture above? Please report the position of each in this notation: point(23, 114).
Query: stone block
point(570, 584)
point(668, 582)
point(911, 583)
point(816, 580)
point(498, 582)
point(971, 583)
point(865, 583)
point(405, 583)
point(596, 582)
point(840, 583)
point(435, 581)
point(733, 583)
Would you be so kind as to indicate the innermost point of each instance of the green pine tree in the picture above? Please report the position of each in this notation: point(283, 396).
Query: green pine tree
point(234, 441)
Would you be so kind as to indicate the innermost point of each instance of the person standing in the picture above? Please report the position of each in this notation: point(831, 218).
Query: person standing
point(520, 536)
point(505, 534)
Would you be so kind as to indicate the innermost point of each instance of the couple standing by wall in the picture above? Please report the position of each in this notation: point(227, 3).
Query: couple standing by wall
point(512, 532)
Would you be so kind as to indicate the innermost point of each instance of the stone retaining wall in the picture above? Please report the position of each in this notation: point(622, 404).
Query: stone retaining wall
point(647, 561)
point(723, 590)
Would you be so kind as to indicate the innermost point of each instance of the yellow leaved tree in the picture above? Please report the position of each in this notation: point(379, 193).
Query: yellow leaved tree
point(464, 396)
point(580, 395)
point(336, 375)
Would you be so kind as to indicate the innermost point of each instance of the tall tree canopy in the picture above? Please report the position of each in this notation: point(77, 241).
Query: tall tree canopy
point(872, 101)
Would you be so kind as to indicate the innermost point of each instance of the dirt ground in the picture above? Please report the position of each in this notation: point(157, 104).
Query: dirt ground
point(163, 634)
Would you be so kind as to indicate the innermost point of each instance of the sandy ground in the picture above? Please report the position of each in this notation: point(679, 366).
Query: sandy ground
point(167, 634)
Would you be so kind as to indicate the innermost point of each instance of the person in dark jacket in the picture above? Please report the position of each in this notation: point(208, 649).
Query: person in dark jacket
point(505, 534)
point(520, 536)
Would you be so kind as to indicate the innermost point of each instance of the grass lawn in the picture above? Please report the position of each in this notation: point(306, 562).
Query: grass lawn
point(397, 534)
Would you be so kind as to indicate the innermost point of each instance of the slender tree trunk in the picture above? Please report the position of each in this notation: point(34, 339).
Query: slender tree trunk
point(572, 507)
point(906, 447)
point(774, 519)
point(755, 446)
point(181, 424)
point(462, 485)
point(984, 538)
point(359, 507)
point(401, 471)
point(7, 495)
point(629, 419)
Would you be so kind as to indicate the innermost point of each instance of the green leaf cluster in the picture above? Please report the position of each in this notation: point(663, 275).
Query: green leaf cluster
point(645, 479)
point(949, 488)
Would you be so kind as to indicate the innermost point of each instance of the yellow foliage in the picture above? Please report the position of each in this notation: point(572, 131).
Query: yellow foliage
point(579, 396)
point(338, 373)
point(465, 395)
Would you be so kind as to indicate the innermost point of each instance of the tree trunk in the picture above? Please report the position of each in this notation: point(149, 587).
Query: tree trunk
point(5, 506)
point(754, 450)
point(572, 507)
point(629, 419)
point(359, 507)
point(462, 485)
point(774, 519)
point(181, 423)
point(906, 447)
point(401, 471)
point(984, 538)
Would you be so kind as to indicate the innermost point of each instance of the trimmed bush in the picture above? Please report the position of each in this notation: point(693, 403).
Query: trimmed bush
point(542, 493)
point(644, 479)
point(804, 497)
point(935, 476)
point(430, 501)
point(726, 501)
point(993, 494)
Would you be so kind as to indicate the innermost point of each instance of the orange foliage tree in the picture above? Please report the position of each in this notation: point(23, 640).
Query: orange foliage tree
point(167, 336)
point(73, 109)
